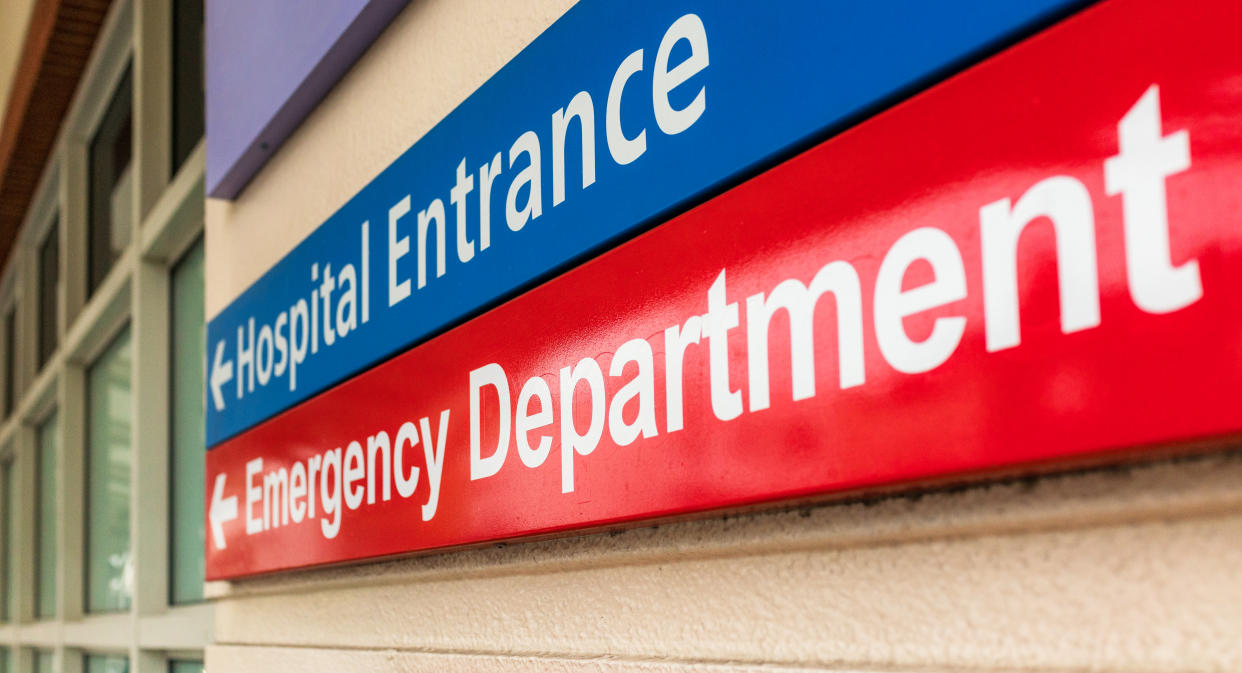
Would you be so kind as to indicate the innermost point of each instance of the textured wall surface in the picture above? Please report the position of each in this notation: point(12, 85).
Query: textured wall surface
point(1123, 569)
point(1132, 568)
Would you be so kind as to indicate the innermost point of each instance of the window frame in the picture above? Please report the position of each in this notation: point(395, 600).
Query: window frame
point(168, 217)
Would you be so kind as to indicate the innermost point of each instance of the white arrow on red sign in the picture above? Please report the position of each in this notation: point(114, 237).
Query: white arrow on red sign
point(222, 510)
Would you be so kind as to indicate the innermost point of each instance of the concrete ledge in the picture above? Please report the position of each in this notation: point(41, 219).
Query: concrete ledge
point(1120, 569)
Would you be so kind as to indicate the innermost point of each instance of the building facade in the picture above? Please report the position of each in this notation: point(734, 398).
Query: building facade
point(133, 240)
point(103, 339)
point(1123, 566)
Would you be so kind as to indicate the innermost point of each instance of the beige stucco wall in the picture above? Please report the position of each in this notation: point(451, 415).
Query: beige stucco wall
point(1131, 568)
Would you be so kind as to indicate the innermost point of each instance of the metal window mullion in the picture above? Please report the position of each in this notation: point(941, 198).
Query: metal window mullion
point(150, 464)
point(149, 328)
point(152, 63)
point(176, 220)
point(171, 219)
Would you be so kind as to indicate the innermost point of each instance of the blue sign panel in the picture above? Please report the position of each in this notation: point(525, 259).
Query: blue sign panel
point(617, 116)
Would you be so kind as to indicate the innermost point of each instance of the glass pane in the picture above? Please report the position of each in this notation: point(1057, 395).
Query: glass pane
point(9, 507)
point(6, 661)
point(110, 202)
point(45, 524)
point(109, 573)
point(185, 667)
point(10, 359)
point(188, 439)
point(43, 662)
point(98, 664)
point(187, 75)
point(49, 282)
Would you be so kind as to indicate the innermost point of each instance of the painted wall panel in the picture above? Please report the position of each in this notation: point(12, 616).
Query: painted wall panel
point(268, 65)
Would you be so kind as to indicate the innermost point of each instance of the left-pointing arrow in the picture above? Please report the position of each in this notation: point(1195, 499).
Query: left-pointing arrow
point(222, 509)
point(221, 373)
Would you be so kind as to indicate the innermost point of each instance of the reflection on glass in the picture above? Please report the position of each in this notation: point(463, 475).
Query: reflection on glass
point(43, 662)
point(110, 203)
point(186, 667)
point(109, 575)
point(188, 432)
point(49, 292)
point(45, 523)
point(98, 664)
point(8, 511)
point(187, 78)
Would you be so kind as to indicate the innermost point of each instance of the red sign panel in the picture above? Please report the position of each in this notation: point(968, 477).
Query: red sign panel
point(1037, 261)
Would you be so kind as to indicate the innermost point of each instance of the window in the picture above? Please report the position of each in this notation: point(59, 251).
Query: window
point(43, 662)
point(109, 573)
point(10, 361)
point(70, 437)
point(189, 442)
point(111, 202)
point(49, 292)
point(187, 78)
point(46, 559)
point(6, 660)
point(8, 516)
point(99, 664)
